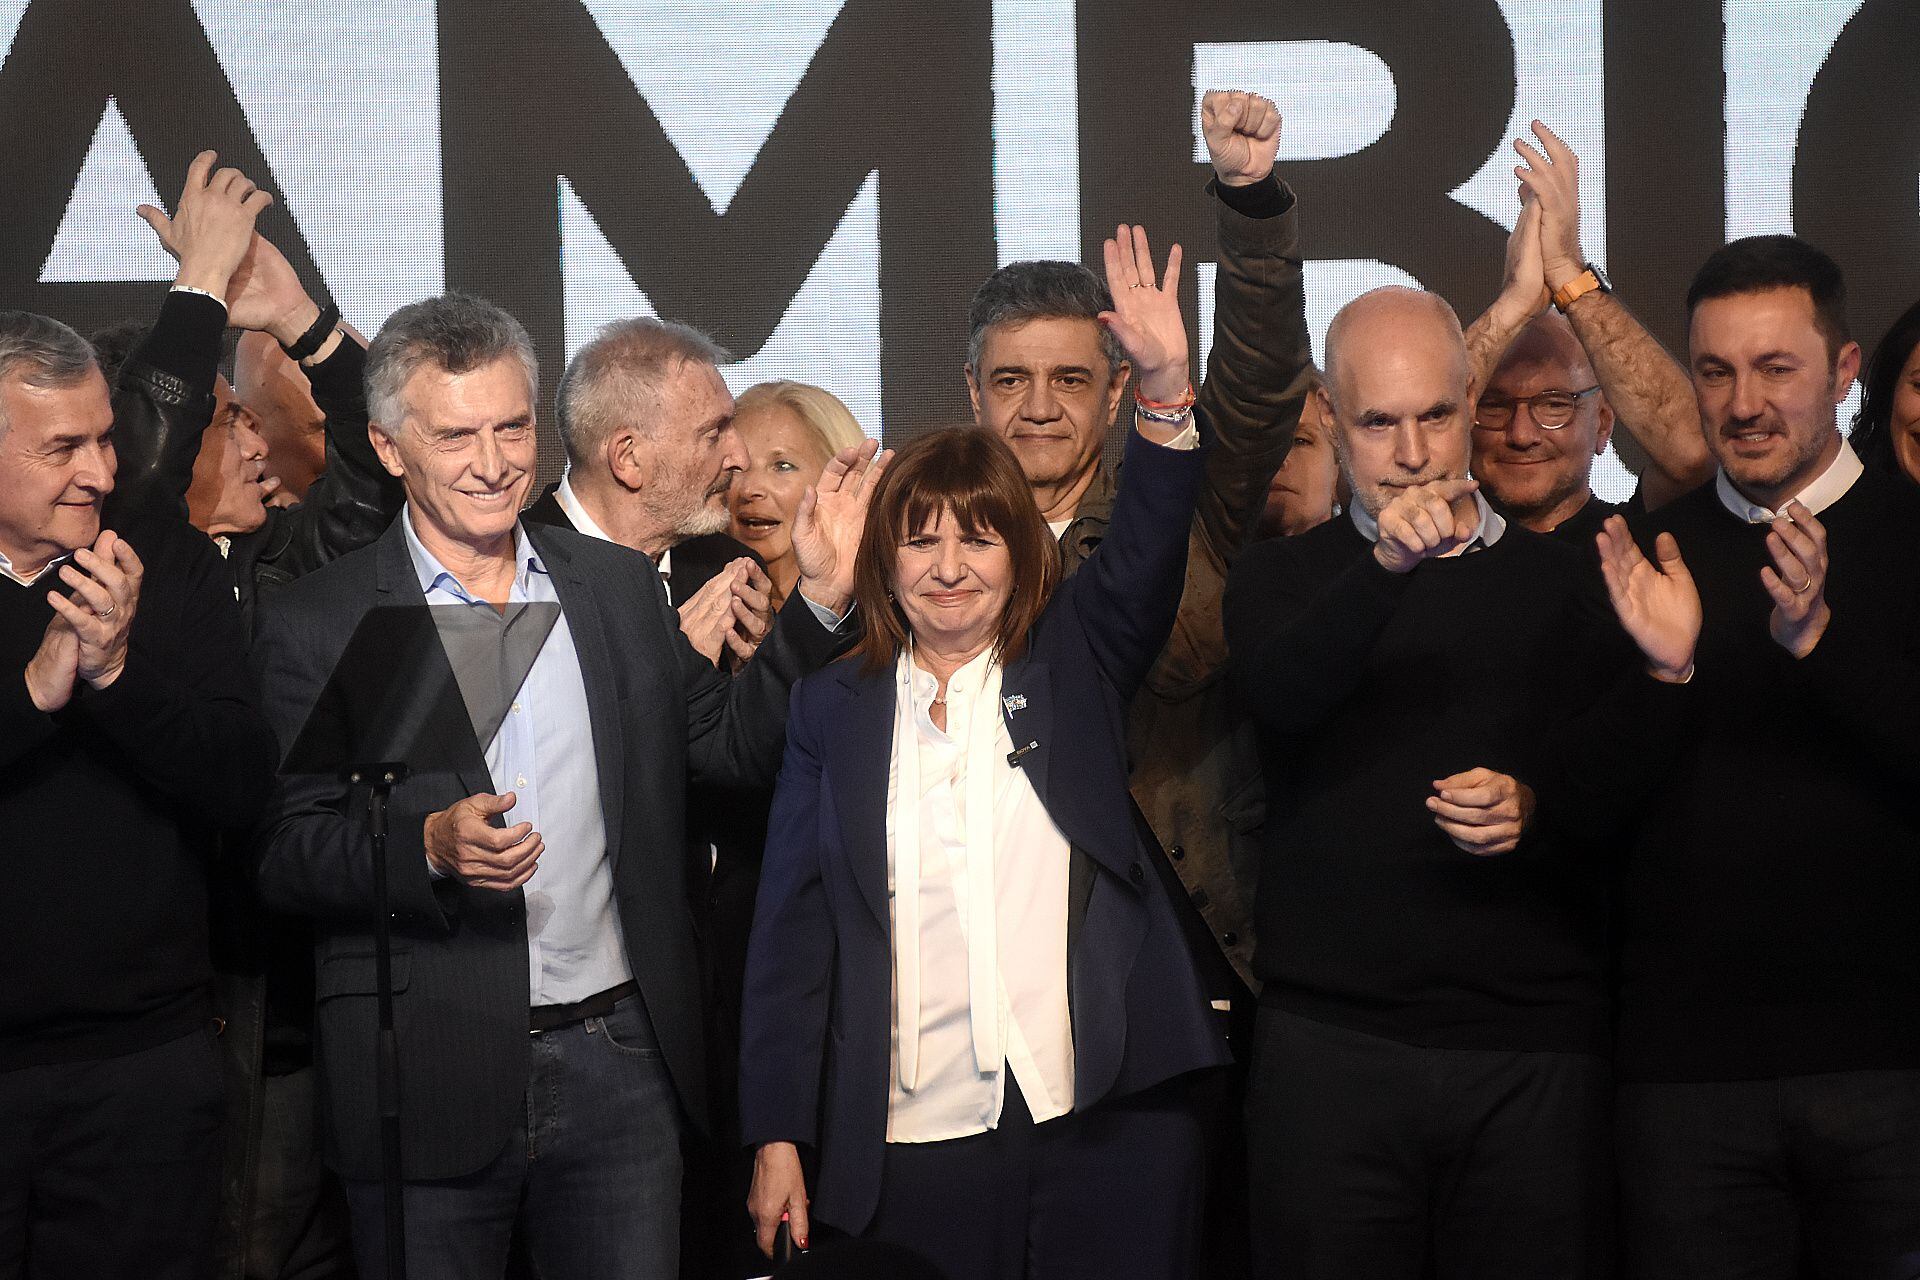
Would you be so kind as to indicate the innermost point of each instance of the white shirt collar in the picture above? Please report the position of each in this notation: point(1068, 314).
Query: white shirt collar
point(570, 503)
point(434, 575)
point(1826, 489)
point(7, 570)
point(1485, 533)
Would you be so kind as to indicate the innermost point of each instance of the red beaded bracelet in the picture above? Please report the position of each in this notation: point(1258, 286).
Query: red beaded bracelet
point(1169, 406)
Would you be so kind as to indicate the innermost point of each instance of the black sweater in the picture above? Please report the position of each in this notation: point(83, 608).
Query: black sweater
point(1366, 686)
point(1772, 903)
point(108, 804)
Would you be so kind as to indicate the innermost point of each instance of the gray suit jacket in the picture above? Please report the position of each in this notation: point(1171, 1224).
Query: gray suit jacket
point(660, 714)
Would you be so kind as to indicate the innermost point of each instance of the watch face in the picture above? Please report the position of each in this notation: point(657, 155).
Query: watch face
point(1600, 278)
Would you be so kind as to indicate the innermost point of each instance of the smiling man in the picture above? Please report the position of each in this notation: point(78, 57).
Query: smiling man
point(1769, 1112)
point(539, 886)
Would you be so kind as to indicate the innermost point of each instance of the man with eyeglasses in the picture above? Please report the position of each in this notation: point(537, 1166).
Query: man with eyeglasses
point(1550, 404)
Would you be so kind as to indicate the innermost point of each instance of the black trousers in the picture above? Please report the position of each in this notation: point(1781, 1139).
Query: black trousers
point(1375, 1159)
point(1773, 1178)
point(1114, 1191)
point(111, 1167)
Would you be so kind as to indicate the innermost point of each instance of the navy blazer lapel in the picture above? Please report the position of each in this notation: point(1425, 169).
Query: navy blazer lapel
point(1026, 705)
point(397, 586)
point(581, 609)
point(859, 759)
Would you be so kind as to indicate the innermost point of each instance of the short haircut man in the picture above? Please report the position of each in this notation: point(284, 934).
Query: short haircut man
point(1423, 637)
point(538, 885)
point(128, 735)
point(647, 423)
point(1769, 1041)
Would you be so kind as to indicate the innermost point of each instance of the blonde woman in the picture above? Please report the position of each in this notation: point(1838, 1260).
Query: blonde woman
point(790, 431)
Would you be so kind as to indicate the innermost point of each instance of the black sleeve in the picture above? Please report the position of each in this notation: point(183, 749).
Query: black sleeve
point(353, 501)
point(162, 406)
point(184, 710)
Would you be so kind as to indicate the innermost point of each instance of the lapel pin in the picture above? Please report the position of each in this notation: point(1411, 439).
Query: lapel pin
point(1014, 702)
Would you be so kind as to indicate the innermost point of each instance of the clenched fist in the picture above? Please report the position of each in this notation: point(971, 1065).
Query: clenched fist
point(1242, 132)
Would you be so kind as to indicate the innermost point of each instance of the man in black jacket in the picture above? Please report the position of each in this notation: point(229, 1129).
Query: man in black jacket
point(129, 736)
point(1431, 1080)
point(1769, 1054)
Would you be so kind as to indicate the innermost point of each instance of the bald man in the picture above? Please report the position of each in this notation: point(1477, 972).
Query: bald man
point(1431, 1080)
point(1538, 426)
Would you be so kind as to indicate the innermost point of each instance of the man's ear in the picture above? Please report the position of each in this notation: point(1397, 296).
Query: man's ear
point(973, 394)
point(1605, 414)
point(386, 450)
point(1118, 388)
point(1845, 369)
point(632, 460)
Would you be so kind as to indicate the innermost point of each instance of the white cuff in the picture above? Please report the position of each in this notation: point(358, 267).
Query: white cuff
point(828, 619)
point(187, 288)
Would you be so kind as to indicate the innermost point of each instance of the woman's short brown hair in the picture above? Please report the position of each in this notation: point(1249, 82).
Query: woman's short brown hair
point(970, 473)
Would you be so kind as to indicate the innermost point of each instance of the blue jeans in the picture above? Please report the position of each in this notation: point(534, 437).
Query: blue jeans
point(592, 1178)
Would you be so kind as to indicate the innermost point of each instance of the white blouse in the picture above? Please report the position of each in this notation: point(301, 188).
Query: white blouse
point(977, 877)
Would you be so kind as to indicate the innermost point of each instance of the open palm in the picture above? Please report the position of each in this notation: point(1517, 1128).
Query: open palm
point(1658, 604)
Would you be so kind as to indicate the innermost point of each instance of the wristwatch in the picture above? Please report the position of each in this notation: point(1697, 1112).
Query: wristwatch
point(1584, 283)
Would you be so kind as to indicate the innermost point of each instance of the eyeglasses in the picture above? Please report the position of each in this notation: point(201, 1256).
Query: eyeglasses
point(1550, 410)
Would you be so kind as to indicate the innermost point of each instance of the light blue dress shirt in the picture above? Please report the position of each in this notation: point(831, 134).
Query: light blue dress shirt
point(544, 754)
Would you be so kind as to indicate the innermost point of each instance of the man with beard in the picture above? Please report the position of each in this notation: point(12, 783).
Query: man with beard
point(1769, 1051)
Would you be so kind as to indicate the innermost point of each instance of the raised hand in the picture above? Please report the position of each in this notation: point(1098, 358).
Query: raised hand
point(1552, 175)
point(1426, 521)
point(462, 841)
point(1146, 317)
point(828, 522)
point(265, 294)
point(1242, 131)
point(212, 225)
point(1481, 811)
point(1797, 580)
point(1658, 605)
point(1525, 283)
point(106, 594)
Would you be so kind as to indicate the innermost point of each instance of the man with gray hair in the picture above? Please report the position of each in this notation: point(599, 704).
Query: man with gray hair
point(537, 885)
point(651, 451)
point(128, 734)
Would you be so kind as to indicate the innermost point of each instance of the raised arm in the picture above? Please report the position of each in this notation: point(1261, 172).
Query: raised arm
point(1651, 395)
point(1523, 295)
point(1259, 368)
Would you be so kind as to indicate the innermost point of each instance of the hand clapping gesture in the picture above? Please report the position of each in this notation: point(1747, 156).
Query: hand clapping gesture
point(1797, 580)
point(87, 637)
point(828, 522)
point(1551, 175)
point(1658, 605)
point(731, 613)
point(1242, 132)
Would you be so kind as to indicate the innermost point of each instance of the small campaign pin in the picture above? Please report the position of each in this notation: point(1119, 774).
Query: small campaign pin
point(1015, 702)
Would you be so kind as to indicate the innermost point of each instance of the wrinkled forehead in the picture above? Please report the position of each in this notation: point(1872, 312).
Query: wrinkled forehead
point(1043, 344)
point(80, 411)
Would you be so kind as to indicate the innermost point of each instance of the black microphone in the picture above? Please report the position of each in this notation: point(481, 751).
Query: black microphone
point(1015, 756)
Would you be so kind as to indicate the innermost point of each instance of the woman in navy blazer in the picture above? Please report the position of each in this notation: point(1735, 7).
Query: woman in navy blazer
point(957, 575)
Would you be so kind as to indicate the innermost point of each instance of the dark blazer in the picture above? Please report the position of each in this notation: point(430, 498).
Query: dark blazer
point(695, 561)
point(659, 713)
point(818, 1024)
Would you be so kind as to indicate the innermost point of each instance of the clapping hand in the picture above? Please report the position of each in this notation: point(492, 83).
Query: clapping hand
point(211, 229)
point(1658, 605)
point(88, 635)
point(1146, 317)
point(1797, 580)
point(1551, 175)
point(1242, 132)
point(828, 523)
point(730, 613)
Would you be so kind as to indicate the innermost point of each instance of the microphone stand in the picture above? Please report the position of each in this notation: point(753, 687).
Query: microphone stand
point(380, 779)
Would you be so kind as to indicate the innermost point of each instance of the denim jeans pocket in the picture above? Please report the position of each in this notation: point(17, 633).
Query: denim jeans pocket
point(628, 1030)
